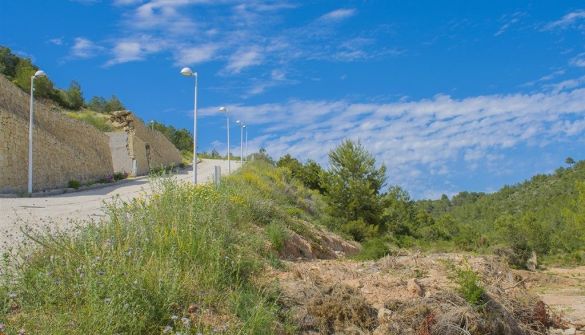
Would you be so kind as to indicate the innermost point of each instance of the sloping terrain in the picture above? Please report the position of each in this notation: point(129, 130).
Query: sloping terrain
point(250, 257)
point(415, 294)
point(63, 149)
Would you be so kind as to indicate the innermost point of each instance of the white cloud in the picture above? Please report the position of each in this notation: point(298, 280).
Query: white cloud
point(56, 41)
point(339, 14)
point(567, 20)
point(196, 31)
point(413, 135)
point(578, 60)
point(509, 21)
point(134, 49)
point(84, 48)
point(244, 58)
point(196, 54)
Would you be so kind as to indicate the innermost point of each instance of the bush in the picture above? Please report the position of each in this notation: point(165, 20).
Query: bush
point(120, 176)
point(373, 249)
point(74, 184)
point(359, 230)
point(469, 285)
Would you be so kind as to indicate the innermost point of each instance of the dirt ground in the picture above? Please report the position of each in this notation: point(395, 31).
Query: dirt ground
point(563, 289)
point(416, 294)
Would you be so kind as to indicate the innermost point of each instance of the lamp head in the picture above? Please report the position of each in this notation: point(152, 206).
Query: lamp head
point(187, 72)
point(222, 109)
point(40, 73)
point(238, 122)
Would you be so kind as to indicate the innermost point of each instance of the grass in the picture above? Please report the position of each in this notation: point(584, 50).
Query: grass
point(74, 184)
point(184, 260)
point(98, 120)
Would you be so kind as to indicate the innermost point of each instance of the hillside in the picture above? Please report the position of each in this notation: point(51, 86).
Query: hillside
point(250, 257)
point(545, 210)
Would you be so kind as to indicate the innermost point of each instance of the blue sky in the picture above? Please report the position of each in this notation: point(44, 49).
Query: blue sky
point(450, 95)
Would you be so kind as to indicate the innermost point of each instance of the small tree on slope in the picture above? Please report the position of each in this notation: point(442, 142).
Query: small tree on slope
point(352, 188)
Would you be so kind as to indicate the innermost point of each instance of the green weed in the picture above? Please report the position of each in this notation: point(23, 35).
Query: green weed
point(140, 270)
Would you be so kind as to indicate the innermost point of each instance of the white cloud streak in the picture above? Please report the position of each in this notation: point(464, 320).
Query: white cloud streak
point(338, 15)
point(428, 134)
point(567, 20)
point(244, 58)
point(84, 48)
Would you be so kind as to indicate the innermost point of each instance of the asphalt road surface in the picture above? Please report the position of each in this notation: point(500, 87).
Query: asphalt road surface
point(67, 211)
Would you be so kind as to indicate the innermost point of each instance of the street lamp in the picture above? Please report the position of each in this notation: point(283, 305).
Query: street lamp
point(246, 145)
point(187, 72)
point(223, 109)
point(37, 74)
point(241, 124)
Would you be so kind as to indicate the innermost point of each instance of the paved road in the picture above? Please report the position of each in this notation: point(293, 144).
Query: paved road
point(65, 211)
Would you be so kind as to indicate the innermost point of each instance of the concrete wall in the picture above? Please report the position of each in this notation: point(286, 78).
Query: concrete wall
point(121, 160)
point(63, 149)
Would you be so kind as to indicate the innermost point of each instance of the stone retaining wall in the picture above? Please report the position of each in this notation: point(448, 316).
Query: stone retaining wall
point(63, 149)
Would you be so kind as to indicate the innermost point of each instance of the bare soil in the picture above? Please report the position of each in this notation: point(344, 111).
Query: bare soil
point(563, 289)
point(416, 294)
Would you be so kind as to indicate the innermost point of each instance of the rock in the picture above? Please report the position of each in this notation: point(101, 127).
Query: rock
point(414, 288)
point(532, 262)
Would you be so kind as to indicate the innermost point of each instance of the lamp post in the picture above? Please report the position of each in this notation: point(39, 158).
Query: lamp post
point(37, 74)
point(223, 109)
point(187, 72)
point(246, 140)
point(241, 124)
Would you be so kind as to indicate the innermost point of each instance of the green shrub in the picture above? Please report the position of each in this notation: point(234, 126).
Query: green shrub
point(359, 230)
point(373, 249)
point(469, 285)
point(74, 184)
point(120, 176)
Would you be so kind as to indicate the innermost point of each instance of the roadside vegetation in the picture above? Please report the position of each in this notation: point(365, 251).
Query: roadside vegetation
point(543, 218)
point(204, 259)
point(184, 260)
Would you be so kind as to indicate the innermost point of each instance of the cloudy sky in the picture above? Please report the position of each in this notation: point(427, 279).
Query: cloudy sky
point(449, 95)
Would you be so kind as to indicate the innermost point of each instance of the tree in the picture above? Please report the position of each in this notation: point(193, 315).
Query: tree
point(24, 71)
point(8, 62)
point(182, 139)
point(215, 154)
point(311, 175)
point(569, 161)
point(74, 96)
point(98, 104)
point(295, 167)
point(114, 104)
point(352, 184)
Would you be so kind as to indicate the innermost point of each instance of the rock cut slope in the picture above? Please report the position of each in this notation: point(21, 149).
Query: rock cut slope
point(63, 149)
